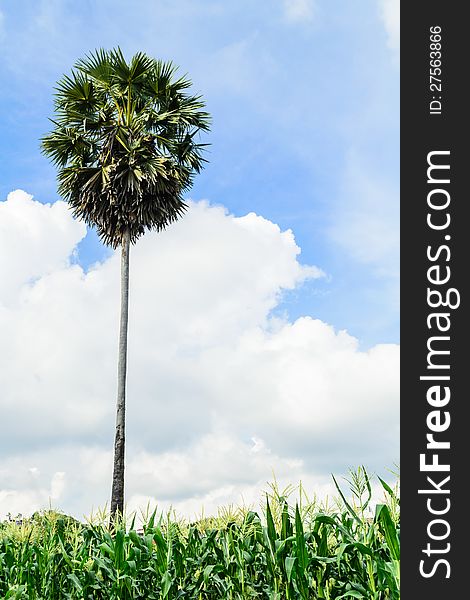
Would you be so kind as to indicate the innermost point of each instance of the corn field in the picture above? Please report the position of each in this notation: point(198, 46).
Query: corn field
point(283, 552)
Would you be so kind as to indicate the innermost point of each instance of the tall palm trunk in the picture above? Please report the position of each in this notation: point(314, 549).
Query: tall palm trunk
point(117, 495)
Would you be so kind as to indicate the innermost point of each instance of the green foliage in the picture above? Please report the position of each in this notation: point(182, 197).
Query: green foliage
point(125, 142)
point(300, 552)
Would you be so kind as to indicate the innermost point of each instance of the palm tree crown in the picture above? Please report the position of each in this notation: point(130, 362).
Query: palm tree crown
point(124, 143)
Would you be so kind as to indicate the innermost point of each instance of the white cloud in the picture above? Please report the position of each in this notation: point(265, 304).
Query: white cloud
point(31, 492)
point(220, 393)
point(390, 14)
point(35, 239)
point(299, 10)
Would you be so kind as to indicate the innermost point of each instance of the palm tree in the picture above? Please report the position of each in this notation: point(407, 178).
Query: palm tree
point(125, 146)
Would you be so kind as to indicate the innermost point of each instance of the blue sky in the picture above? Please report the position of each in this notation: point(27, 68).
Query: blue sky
point(304, 98)
point(264, 324)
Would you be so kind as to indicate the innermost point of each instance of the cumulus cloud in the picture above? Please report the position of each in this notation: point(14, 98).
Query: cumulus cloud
point(35, 239)
point(221, 393)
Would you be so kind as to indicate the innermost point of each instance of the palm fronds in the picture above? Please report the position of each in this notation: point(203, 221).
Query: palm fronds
point(126, 142)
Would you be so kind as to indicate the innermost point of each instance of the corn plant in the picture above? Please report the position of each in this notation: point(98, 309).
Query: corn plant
point(285, 551)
